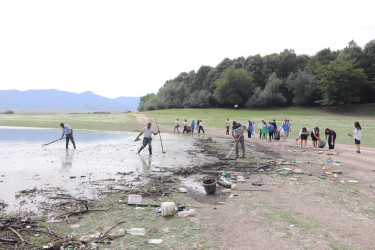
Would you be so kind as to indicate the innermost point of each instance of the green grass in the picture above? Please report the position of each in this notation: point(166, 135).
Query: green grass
point(113, 122)
point(177, 232)
point(342, 121)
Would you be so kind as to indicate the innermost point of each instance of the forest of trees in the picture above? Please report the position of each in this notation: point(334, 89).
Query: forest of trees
point(329, 78)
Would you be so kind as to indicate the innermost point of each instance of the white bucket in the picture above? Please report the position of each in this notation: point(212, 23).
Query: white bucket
point(135, 199)
point(167, 208)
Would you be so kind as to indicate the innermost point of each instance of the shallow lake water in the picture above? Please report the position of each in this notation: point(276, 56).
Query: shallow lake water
point(82, 172)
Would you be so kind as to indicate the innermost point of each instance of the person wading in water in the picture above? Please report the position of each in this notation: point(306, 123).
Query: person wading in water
point(68, 132)
point(147, 131)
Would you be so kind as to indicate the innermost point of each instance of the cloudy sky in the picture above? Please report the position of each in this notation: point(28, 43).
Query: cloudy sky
point(130, 48)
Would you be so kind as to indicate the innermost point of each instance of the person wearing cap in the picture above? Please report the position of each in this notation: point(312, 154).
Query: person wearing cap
point(237, 133)
point(147, 131)
point(68, 132)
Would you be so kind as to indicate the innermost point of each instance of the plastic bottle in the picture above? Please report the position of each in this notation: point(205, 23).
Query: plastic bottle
point(136, 231)
point(186, 213)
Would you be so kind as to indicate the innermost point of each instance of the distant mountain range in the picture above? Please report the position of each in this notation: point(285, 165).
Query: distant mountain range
point(56, 101)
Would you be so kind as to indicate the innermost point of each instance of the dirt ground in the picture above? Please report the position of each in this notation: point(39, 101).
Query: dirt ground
point(296, 210)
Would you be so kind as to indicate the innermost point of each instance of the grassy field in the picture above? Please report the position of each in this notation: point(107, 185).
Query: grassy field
point(114, 122)
point(340, 120)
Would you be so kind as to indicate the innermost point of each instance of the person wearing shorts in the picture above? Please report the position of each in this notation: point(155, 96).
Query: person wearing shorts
point(303, 134)
point(315, 136)
point(357, 136)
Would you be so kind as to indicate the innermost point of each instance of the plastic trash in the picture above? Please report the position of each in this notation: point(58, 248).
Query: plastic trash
point(135, 199)
point(94, 245)
point(240, 178)
point(337, 161)
point(158, 209)
point(136, 231)
point(155, 241)
point(234, 186)
point(182, 190)
point(167, 208)
point(297, 160)
point(226, 191)
point(352, 181)
point(322, 176)
point(297, 171)
point(190, 212)
point(328, 161)
point(283, 172)
point(256, 184)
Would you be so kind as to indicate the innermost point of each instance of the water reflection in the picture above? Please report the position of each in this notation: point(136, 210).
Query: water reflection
point(67, 160)
point(146, 164)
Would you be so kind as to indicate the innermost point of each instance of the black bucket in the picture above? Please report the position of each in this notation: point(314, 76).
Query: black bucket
point(277, 135)
point(210, 186)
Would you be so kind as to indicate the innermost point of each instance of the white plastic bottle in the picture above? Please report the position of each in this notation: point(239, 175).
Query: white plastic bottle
point(136, 231)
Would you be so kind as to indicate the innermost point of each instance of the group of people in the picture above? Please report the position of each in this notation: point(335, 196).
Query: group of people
point(187, 128)
point(238, 131)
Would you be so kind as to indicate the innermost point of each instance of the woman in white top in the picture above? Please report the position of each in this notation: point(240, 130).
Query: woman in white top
point(357, 136)
point(303, 134)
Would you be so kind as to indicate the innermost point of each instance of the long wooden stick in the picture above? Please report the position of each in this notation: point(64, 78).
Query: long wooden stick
point(52, 142)
point(14, 231)
point(162, 150)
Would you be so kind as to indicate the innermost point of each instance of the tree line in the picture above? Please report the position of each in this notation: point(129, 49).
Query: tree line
point(328, 78)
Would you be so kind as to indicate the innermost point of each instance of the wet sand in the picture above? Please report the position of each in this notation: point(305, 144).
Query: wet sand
point(109, 162)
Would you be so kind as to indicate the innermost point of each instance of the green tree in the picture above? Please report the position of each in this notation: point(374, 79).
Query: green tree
point(200, 77)
point(269, 96)
point(233, 87)
point(302, 85)
point(368, 60)
point(340, 82)
point(255, 65)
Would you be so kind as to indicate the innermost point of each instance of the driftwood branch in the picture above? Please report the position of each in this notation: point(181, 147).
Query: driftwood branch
point(17, 233)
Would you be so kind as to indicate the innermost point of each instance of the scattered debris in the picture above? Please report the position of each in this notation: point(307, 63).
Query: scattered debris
point(155, 241)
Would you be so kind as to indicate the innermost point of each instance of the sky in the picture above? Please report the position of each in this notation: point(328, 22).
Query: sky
point(131, 48)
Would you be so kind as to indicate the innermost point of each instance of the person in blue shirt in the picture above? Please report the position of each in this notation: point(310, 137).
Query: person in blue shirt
point(192, 126)
point(286, 128)
point(249, 128)
point(271, 129)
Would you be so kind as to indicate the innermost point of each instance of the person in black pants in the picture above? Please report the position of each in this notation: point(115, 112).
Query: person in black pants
point(331, 138)
point(274, 127)
point(200, 127)
point(68, 132)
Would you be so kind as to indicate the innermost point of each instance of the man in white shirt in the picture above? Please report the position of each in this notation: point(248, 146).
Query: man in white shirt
point(68, 132)
point(147, 131)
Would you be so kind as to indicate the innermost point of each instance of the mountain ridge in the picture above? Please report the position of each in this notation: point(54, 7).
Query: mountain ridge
point(57, 101)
